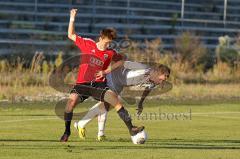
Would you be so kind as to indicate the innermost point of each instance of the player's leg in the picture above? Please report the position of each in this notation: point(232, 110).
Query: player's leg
point(97, 110)
point(92, 113)
point(68, 113)
point(102, 119)
point(112, 98)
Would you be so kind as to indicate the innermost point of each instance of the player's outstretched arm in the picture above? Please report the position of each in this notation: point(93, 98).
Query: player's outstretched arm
point(140, 104)
point(111, 67)
point(71, 27)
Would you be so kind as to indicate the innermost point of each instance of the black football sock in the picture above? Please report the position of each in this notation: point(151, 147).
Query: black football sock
point(123, 113)
point(68, 118)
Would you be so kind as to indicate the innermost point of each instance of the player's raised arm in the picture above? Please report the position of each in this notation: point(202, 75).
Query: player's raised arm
point(71, 27)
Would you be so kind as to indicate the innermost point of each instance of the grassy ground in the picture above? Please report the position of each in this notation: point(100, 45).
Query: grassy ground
point(209, 131)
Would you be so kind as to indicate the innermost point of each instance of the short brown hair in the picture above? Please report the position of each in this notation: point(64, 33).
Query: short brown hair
point(110, 33)
point(163, 69)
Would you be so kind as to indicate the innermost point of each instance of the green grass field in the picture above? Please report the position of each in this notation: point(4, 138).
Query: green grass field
point(209, 131)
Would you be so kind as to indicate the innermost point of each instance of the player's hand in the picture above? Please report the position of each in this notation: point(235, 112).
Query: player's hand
point(73, 13)
point(139, 109)
point(100, 74)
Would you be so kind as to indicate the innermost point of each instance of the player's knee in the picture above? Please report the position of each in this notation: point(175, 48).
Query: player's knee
point(101, 105)
point(71, 103)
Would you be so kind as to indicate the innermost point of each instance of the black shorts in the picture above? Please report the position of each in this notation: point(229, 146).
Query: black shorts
point(96, 90)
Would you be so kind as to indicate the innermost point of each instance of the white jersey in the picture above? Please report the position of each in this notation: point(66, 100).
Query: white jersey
point(131, 74)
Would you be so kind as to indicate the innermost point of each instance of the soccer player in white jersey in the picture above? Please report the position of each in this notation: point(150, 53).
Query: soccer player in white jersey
point(131, 74)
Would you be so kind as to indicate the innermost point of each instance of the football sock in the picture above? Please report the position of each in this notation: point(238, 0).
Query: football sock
point(68, 118)
point(123, 113)
point(93, 112)
point(102, 117)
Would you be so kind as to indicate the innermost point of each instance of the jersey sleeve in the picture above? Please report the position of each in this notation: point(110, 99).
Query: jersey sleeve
point(117, 57)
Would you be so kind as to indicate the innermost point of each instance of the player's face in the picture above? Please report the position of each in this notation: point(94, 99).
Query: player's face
point(105, 41)
point(160, 78)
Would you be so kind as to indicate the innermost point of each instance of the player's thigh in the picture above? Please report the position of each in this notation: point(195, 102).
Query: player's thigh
point(111, 97)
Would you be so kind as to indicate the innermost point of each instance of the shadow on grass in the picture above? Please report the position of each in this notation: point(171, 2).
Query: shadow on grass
point(75, 146)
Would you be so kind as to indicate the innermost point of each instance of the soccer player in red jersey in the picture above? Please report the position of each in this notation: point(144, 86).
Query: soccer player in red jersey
point(95, 62)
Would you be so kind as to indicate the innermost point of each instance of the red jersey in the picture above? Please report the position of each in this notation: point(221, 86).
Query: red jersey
point(92, 60)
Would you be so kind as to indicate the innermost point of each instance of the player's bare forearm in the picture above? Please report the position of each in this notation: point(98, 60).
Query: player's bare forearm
point(113, 66)
point(71, 26)
point(144, 95)
point(140, 104)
